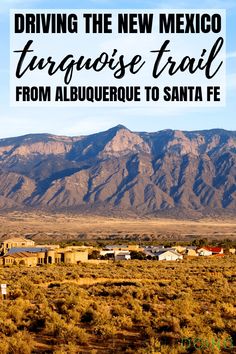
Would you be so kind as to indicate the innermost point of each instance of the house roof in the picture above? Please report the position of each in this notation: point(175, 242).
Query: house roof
point(149, 253)
point(109, 247)
point(213, 249)
point(167, 250)
point(20, 255)
point(154, 249)
point(26, 249)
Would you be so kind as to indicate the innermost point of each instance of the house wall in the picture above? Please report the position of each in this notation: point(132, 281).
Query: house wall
point(203, 252)
point(73, 257)
point(81, 256)
point(169, 256)
point(192, 253)
point(50, 257)
point(41, 258)
point(10, 243)
point(28, 261)
point(122, 255)
point(69, 258)
point(31, 261)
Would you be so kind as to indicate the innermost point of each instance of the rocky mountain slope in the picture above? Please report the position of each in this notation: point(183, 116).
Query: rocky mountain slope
point(119, 171)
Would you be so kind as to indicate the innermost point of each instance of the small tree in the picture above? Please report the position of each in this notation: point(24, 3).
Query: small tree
point(137, 255)
point(94, 255)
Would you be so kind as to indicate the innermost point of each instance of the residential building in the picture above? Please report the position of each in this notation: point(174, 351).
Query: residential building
point(122, 255)
point(32, 256)
point(16, 242)
point(168, 255)
point(204, 252)
point(151, 251)
point(209, 251)
point(191, 251)
point(21, 258)
point(123, 248)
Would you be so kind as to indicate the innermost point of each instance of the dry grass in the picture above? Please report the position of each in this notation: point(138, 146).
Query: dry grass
point(122, 307)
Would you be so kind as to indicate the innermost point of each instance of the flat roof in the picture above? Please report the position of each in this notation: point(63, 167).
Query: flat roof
point(27, 249)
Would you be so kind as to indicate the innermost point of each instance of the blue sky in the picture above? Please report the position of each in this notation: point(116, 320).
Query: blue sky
point(77, 121)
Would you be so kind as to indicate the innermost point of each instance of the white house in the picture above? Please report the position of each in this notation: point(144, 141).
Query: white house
point(204, 252)
point(208, 251)
point(168, 255)
point(122, 255)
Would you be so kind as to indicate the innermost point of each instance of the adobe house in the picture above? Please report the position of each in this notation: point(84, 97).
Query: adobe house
point(17, 250)
point(64, 255)
point(21, 258)
point(191, 252)
point(33, 256)
point(16, 242)
point(122, 248)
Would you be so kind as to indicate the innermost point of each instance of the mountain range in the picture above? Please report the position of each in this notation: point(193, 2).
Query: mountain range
point(120, 172)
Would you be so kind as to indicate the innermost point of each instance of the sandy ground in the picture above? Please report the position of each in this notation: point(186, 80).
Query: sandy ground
point(41, 226)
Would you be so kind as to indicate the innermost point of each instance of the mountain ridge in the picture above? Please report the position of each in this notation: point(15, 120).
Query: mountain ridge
point(120, 171)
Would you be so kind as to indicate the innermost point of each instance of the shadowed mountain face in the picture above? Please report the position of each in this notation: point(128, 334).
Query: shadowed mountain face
point(119, 170)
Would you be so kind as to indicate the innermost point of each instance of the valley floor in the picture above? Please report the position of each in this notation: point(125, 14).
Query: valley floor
point(42, 227)
point(122, 307)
